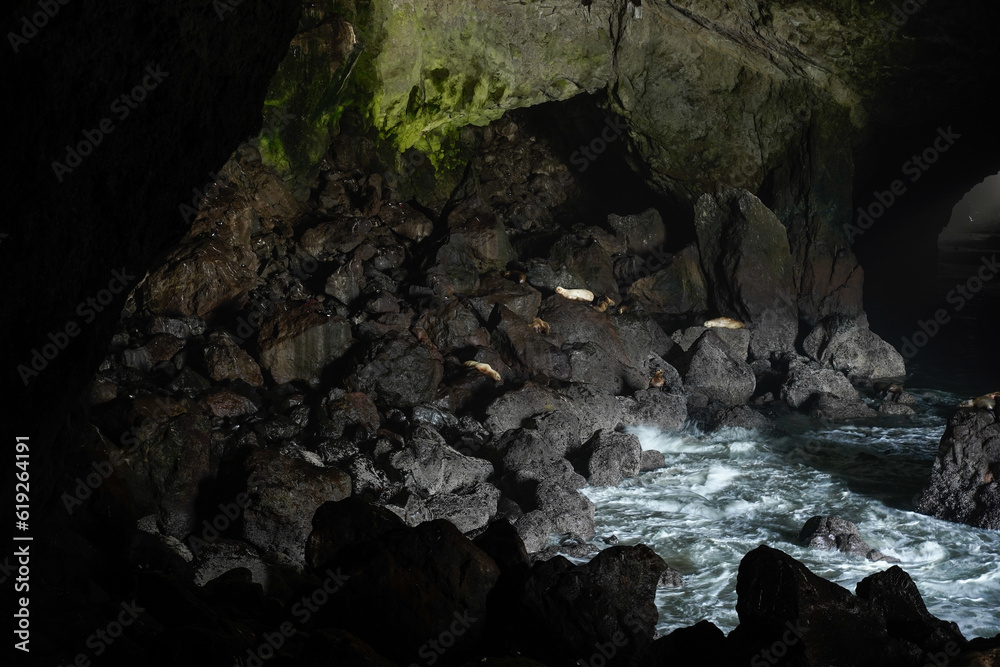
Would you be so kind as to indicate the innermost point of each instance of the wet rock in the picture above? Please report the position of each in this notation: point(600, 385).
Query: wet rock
point(297, 343)
point(744, 248)
point(351, 412)
point(670, 578)
point(806, 379)
point(222, 402)
point(401, 371)
point(652, 459)
point(641, 232)
point(609, 458)
point(742, 416)
point(345, 284)
point(172, 461)
point(452, 325)
point(830, 532)
point(178, 327)
point(570, 608)
point(712, 369)
point(893, 593)
point(738, 339)
point(677, 289)
point(282, 495)
point(521, 299)
point(597, 356)
point(889, 408)
point(964, 484)
point(847, 345)
point(227, 362)
point(469, 511)
point(406, 221)
point(329, 239)
point(199, 277)
point(821, 622)
point(588, 263)
point(430, 466)
point(828, 406)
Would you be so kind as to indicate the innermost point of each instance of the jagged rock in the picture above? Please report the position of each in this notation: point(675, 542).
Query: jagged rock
point(589, 264)
point(806, 379)
point(677, 289)
point(401, 371)
point(521, 299)
point(828, 406)
point(298, 343)
point(609, 458)
point(477, 243)
point(712, 369)
point(742, 416)
point(200, 276)
point(783, 607)
point(452, 325)
point(282, 495)
point(226, 361)
point(469, 511)
point(345, 284)
point(738, 339)
point(830, 532)
point(430, 466)
point(964, 484)
point(353, 411)
point(222, 402)
point(597, 356)
point(745, 253)
point(893, 593)
point(847, 345)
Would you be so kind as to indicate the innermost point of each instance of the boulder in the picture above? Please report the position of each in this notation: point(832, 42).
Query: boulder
point(677, 289)
point(964, 484)
point(749, 268)
point(299, 342)
point(787, 611)
point(401, 371)
point(282, 495)
point(805, 379)
point(711, 368)
point(609, 458)
point(199, 277)
point(429, 466)
point(830, 532)
point(846, 344)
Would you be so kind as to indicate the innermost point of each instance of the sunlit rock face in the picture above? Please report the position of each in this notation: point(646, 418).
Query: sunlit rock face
point(737, 94)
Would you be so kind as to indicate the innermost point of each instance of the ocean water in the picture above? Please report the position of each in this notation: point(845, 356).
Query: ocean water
point(723, 494)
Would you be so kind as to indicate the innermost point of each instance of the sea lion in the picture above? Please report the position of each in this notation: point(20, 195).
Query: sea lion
point(984, 402)
point(604, 303)
point(517, 276)
point(622, 309)
point(485, 369)
point(657, 379)
point(540, 326)
point(575, 294)
point(723, 323)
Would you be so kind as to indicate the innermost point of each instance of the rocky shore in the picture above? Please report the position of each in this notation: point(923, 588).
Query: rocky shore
point(347, 429)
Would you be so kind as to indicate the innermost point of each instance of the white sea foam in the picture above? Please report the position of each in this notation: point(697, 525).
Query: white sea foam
point(723, 494)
